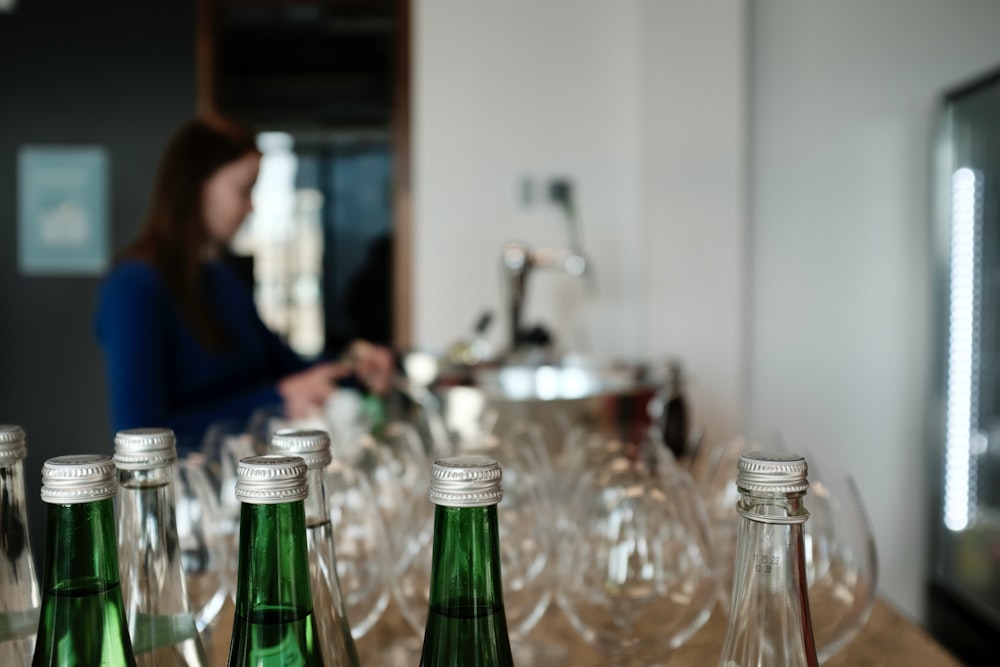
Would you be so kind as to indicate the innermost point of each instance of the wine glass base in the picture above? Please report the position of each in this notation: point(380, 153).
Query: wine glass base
point(527, 653)
point(402, 653)
point(538, 653)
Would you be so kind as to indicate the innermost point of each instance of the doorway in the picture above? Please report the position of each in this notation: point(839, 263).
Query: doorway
point(327, 85)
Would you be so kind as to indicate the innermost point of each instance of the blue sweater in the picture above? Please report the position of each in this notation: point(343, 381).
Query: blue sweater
point(160, 374)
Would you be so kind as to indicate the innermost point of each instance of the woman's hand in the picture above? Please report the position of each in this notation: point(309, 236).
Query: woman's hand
point(306, 392)
point(373, 365)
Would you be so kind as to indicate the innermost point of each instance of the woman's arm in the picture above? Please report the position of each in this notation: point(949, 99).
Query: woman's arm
point(133, 315)
point(129, 326)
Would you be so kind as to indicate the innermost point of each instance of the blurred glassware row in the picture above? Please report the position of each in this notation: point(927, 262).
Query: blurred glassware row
point(654, 533)
point(634, 546)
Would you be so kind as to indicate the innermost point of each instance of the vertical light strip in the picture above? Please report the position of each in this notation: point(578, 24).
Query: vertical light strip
point(963, 353)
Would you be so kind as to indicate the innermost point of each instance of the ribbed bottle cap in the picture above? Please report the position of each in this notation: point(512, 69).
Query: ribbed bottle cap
point(312, 445)
point(12, 447)
point(271, 479)
point(145, 448)
point(766, 472)
point(466, 481)
point(79, 478)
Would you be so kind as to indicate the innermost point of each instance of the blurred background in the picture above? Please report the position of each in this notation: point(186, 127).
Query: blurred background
point(752, 182)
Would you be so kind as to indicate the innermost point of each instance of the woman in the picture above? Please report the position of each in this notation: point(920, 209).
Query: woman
point(183, 344)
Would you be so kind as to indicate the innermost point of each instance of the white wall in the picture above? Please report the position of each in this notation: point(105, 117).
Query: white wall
point(694, 140)
point(504, 90)
point(642, 102)
point(841, 339)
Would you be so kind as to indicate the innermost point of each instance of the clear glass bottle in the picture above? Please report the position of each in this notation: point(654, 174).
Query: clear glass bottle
point(153, 585)
point(274, 625)
point(335, 639)
point(769, 622)
point(466, 624)
point(19, 598)
point(82, 620)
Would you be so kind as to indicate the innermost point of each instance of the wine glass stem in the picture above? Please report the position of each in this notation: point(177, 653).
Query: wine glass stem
point(626, 656)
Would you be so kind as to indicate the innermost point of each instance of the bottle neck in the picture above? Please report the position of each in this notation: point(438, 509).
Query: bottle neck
point(273, 562)
point(465, 567)
point(332, 626)
point(17, 569)
point(315, 505)
point(770, 614)
point(148, 545)
point(775, 508)
point(81, 553)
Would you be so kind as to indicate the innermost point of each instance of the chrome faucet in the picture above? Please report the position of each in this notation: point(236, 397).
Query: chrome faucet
point(519, 260)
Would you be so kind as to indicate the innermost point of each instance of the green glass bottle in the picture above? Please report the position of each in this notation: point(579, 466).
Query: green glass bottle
point(274, 624)
point(82, 620)
point(154, 589)
point(334, 630)
point(466, 624)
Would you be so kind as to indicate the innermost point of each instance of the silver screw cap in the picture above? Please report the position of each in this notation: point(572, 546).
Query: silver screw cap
point(80, 478)
point(768, 472)
point(466, 481)
point(145, 448)
point(271, 479)
point(312, 445)
point(12, 444)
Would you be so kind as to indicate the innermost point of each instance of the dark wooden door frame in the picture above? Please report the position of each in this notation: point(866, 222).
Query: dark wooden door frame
point(402, 192)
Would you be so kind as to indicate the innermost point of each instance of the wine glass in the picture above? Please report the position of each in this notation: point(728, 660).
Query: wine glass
point(635, 575)
point(203, 555)
point(717, 486)
point(225, 445)
point(392, 465)
point(841, 559)
point(361, 546)
point(407, 472)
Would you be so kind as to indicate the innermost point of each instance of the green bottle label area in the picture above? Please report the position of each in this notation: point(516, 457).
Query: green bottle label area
point(83, 626)
point(270, 639)
point(466, 635)
point(466, 623)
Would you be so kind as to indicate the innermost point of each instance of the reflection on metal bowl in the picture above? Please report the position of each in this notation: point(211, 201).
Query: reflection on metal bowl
point(612, 400)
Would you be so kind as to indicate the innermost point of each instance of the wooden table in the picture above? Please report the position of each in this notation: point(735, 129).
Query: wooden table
point(889, 639)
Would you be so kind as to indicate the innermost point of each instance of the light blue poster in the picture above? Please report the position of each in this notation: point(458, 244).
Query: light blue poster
point(62, 210)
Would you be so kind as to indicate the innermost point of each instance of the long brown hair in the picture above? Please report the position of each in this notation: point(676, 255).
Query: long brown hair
point(174, 235)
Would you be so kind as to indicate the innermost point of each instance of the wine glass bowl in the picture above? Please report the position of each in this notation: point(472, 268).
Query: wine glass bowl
point(636, 578)
point(361, 546)
point(203, 554)
point(841, 562)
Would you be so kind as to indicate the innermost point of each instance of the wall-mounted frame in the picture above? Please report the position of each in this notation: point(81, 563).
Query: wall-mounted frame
point(62, 210)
